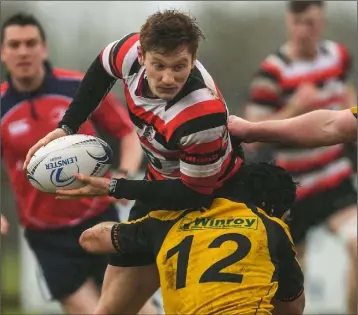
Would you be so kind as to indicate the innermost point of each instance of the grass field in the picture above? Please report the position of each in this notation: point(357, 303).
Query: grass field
point(10, 284)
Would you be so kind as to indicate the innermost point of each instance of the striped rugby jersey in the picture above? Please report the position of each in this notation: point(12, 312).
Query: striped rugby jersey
point(186, 137)
point(276, 81)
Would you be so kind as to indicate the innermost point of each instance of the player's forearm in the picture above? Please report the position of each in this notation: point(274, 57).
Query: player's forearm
point(131, 153)
point(284, 113)
point(312, 129)
point(93, 88)
point(161, 194)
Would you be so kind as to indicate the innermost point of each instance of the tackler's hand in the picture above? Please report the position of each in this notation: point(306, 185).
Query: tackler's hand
point(239, 128)
point(95, 186)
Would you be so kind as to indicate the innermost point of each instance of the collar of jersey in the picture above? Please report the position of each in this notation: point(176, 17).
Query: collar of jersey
point(48, 76)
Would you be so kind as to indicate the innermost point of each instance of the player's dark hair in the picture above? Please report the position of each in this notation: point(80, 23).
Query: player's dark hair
point(299, 6)
point(264, 185)
point(22, 19)
point(170, 30)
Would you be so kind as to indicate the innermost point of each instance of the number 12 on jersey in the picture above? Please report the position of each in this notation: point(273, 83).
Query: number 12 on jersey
point(213, 273)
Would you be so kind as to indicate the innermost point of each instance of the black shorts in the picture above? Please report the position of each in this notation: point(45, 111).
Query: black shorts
point(139, 210)
point(64, 264)
point(316, 209)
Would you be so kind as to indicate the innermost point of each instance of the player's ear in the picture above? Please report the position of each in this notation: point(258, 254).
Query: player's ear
point(140, 55)
point(194, 57)
point(2, 55)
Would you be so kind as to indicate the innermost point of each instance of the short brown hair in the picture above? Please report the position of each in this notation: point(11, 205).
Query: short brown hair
point(299, 6)
point(169, 30)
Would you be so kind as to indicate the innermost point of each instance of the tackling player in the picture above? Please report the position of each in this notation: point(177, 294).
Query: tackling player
point(181, 120)
point(318, 128)
point(232, 258)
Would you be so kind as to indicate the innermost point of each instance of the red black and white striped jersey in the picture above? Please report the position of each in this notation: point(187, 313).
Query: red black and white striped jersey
point(186, 137)
point(272, 87)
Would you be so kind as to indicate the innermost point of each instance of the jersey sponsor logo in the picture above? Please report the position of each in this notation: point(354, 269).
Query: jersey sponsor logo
point(188, 224)
point(199, 159)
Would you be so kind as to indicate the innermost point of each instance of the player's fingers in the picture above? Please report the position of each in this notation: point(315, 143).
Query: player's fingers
point(72, 192)
point(68, 197)
point(32, 151)
point(85, 178)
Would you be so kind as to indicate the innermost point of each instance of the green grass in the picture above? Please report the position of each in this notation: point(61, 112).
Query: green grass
point(10, 273)
point(10, 284)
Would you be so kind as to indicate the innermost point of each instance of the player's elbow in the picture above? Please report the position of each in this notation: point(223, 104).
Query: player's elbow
point(295, 307)
point(341, 127)
point(97, 240)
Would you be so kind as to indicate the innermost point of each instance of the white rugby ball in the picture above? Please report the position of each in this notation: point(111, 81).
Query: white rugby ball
point(53, 165)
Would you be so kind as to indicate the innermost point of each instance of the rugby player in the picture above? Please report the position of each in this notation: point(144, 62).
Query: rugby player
point(233, 258)
point(308, 73)
point(4, 225)
point(318, 128)
point(181, 120)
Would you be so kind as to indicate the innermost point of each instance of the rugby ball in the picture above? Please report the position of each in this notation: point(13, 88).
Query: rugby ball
point(53, 166)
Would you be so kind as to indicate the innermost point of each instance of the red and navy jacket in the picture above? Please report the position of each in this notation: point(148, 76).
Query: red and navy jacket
point(26, 118)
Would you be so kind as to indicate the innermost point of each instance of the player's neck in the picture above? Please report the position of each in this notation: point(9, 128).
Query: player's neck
point(30, 84)
point(296, 54)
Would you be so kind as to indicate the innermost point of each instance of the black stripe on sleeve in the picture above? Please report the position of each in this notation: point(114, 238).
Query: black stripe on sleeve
point(198, 124)
point(93, 88)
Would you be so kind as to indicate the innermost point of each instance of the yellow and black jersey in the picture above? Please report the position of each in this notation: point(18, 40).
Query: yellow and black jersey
point(229, 259)
point(354, 111)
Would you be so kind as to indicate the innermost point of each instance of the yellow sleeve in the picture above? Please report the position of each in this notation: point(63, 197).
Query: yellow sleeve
point(354, 111)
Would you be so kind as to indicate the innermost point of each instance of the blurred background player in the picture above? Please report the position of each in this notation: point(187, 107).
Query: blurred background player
point(305, 74)
point(4, 227)
point(33, 100)
point(231, 258)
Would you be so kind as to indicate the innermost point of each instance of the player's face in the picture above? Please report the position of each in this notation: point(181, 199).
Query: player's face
point(305, 29)
point(167, 73)
point(23, 51)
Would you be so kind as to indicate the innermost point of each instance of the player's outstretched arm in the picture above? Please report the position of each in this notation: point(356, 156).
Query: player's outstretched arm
point(317, 128)
point(170, 194)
